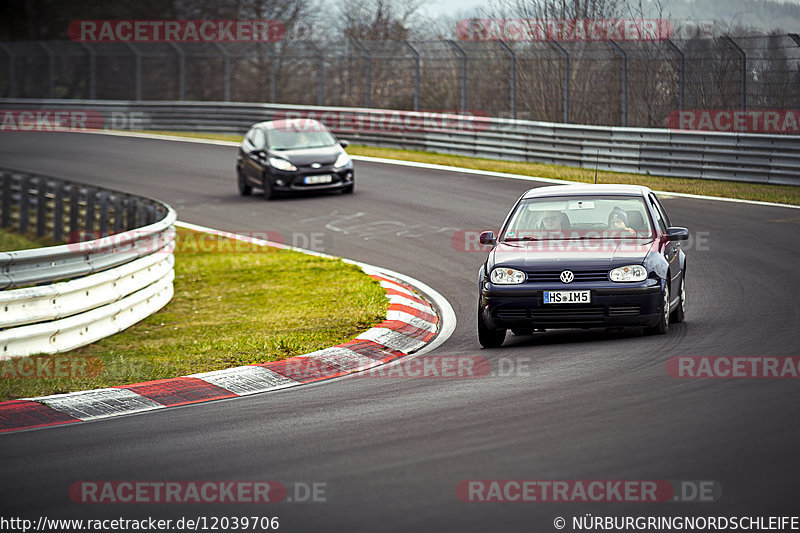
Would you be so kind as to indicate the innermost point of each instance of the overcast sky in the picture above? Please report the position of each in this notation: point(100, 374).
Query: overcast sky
point(466, 7)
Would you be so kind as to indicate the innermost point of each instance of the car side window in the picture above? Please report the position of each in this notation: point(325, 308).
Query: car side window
point(661, 211)
point(662, 225)
point(257, 139)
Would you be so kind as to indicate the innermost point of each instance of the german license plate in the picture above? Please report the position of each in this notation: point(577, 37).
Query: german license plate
point(316, 180)
point(567, 297)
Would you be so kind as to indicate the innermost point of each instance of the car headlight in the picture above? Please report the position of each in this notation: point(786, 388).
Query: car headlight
point(281, 164)
point(342, 160)
point(629, 273)
point(507, 276)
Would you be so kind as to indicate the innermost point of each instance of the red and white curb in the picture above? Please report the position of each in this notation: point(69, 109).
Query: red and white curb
point(410, 326)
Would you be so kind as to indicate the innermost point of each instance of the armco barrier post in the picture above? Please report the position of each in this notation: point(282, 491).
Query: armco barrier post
point(89, 222)
point(5, 217)
point(24, 184)
point(74, 209)
point(41, 207)
point(58, 211)
point(104, 227)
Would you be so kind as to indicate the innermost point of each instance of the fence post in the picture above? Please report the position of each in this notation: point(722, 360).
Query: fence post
point(181, 71)
point(51, 69)
point(368, 76)
point(138, 59)
point(92, 70)
point(417, 73)
point(273, 75)
point(624, 84)
point(12, 79)
point(681, 72)
point(565, 98)
point(320, 73)
point(227, 74)
point(463, 56)
point(512, 79)
point(742, 70)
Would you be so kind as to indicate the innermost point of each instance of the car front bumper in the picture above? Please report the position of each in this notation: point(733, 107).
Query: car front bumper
point(523, 307)
point(294, 181)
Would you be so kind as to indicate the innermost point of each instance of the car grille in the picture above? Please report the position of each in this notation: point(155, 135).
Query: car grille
point(568, 312)
point(512, 312)
point(553, 276)
point(624, 310)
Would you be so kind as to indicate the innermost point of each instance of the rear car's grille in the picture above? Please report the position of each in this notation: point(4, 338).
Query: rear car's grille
point(624, 310)
point(554, 276)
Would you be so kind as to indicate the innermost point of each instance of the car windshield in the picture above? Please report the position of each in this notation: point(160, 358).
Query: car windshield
point(292, 140)
point(578, 217)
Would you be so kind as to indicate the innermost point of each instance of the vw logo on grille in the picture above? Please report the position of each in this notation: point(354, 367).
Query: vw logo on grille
point(315, 165)
point(567, 276)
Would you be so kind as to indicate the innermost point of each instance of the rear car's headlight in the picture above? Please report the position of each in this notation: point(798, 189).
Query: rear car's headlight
point(507, 276)
point(629, 273)
point(281, 164)
point(342, 160)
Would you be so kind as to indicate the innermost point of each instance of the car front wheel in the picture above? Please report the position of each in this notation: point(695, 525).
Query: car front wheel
point(269, 193)
point(489, 338)
point(679, 314)
point(244, 188)
point(663, 321)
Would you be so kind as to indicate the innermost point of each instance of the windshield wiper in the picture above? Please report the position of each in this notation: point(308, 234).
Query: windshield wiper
point(518, 239)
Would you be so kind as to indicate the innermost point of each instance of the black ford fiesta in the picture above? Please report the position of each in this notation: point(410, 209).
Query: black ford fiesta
point(582, 256)
point(293, 155)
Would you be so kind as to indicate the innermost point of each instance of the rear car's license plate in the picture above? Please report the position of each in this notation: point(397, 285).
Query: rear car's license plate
point(316, 180)
point(567, 297)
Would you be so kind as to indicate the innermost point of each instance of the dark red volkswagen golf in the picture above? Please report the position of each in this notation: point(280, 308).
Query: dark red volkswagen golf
point(582, 256)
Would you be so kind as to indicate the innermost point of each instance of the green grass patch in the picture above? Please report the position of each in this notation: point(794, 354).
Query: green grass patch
point(785, 194)
point(11, 241)
point(234, 304)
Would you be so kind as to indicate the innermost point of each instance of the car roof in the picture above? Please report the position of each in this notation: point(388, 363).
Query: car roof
point(588, 190)
point(287, 123)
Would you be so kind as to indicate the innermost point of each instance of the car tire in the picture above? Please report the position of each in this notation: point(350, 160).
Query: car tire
point(244, 188)
point(349, 189)
point(269, 193)
point(489, 338)
point(679, 314)
point(663, 321)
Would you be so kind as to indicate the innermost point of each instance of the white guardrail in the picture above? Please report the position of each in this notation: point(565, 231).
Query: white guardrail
point(62, 297)
point(759, 158)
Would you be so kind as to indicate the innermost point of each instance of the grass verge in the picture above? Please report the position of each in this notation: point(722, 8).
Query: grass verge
point(235, 305)
point(785, 194)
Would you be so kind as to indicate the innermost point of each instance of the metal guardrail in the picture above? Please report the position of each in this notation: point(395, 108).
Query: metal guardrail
point(113, 282)
point(759, 158)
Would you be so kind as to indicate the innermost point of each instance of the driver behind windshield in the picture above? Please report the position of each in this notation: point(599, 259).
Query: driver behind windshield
point(618, 220)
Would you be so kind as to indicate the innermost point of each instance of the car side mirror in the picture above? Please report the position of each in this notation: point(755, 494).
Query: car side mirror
point(677, 234)
point(487, 238)
point(344, 143)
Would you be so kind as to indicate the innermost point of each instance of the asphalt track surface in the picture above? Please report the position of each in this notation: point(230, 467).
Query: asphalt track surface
point(593, 405)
